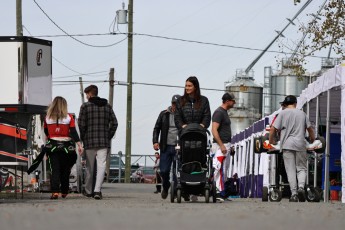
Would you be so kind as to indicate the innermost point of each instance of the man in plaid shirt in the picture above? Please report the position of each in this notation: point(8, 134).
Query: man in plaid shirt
point(97, 124)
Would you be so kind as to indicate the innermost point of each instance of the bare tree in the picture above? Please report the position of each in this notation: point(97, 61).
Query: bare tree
point(326, 30)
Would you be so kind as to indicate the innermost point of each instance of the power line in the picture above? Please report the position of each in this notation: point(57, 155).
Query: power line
point(82, 74)
point(176, 39)
point(96, 46)
point(69, 68)
point(154, 36)
point(74, 35)
point(122, 83)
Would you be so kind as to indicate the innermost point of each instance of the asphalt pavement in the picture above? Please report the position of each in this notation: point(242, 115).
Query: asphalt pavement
point(135, 206)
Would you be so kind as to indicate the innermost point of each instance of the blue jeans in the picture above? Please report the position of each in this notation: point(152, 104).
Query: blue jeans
point(166, 159)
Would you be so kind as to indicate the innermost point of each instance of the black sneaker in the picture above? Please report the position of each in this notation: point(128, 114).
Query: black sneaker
point(293, 198)
point(164, 194)
point(155, 192)
point(97, 195)
point(301, 194)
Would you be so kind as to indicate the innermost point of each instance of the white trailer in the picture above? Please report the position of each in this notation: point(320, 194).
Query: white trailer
point(26, 91)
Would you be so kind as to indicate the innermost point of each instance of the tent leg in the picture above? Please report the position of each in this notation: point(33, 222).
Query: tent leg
point(327, 153)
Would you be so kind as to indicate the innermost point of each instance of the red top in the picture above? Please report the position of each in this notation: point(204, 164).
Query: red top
point(60, 128)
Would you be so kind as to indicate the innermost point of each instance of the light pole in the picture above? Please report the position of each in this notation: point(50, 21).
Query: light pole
point(129, 93)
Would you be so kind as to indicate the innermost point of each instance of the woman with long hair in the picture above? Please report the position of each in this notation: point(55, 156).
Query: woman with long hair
point(192, 107)
point(59, 127)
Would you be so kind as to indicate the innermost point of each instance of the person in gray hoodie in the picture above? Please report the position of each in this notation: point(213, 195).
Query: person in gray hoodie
point(97, 125)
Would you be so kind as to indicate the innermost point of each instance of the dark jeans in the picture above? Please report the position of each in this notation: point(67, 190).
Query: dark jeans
point(166, 159)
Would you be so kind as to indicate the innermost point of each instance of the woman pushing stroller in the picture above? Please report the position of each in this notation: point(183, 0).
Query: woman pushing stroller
point(192, 108)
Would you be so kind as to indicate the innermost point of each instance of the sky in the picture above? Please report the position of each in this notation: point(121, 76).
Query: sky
point(228, 26)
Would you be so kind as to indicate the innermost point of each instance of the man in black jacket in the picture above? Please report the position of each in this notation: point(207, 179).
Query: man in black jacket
point(166, 131)
point(97, 125)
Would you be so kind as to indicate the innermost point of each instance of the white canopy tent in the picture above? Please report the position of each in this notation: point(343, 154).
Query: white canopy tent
point(325, 100)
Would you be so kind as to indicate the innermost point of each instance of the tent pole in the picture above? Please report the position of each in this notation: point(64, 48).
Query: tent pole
point(308, 168)
point(327, 153)
point(316, 134)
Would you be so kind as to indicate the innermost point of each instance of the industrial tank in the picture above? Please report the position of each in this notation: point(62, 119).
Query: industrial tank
point(287, 83)
point(248, 107)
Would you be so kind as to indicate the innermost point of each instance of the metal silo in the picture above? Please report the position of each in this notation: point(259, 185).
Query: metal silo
point(287, 83)
point(248, 107)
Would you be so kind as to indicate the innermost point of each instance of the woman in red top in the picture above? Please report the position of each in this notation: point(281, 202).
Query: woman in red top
point(59, 126)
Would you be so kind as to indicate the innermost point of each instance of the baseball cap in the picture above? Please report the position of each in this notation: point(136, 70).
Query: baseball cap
point(228, 97)
point(289, 100)
point(175, 98)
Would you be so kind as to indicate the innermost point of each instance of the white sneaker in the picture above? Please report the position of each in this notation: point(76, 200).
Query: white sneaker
point(220, 200)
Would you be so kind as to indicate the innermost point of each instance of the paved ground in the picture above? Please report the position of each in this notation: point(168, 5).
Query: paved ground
point(135, 206)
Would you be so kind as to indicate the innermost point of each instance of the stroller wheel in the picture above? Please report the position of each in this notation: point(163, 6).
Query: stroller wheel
point(207, 195)
point(172, 193)
point(275, 195)
point(312, 195)
point(264, 194)
point(178, 194)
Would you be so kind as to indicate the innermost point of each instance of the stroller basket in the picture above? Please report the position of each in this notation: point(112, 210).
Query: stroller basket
point(193, 178)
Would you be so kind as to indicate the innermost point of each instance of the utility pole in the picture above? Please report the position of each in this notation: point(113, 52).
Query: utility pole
point(129, 93)
point(111, 102)
point(19, 18)
point(81, 89)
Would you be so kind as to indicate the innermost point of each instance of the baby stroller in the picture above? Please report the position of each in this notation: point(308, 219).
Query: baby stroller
point(193, 165)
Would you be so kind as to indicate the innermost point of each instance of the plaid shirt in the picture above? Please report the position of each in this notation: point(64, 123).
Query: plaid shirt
point(97, 123)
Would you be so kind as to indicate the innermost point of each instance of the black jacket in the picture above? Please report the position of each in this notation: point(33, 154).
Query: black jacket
point(188, 114)
point(161, 129)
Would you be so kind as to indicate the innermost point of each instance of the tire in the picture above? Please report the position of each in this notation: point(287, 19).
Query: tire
point(178, 195)
point(320, 191)
point(214, 192)
point(207, 195)
point(172, 194)
point(312, 195)
point(275, 195)
point(264, 194)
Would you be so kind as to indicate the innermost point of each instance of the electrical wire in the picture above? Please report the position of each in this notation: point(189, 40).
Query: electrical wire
point(84, 43)
point(83, 74)
point(164, 37)
point(177, 39)
point(121, 83)
point(69, 68)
